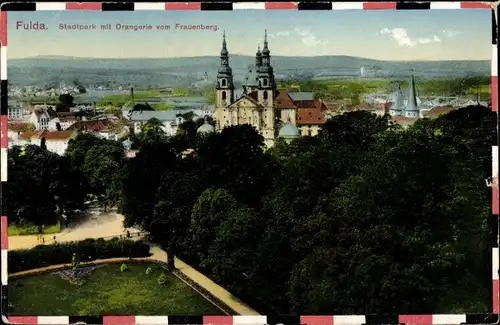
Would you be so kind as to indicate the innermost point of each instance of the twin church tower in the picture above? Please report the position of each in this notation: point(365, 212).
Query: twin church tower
point(256, 105)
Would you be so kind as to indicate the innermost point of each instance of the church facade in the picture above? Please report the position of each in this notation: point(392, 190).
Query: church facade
point(261, 104)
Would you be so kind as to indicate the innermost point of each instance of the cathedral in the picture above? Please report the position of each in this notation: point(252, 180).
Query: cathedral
point(261, 104)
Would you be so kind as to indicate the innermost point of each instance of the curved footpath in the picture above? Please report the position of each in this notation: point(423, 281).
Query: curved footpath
point(183, 270)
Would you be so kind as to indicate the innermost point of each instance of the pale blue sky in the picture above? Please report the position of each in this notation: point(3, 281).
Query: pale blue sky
point(380, 34)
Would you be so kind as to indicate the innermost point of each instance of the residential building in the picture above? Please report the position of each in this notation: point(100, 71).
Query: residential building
point(56, 141)
point(40, 118)
point(64, 123)
point(170, 120)
point(14, 131)
point(15, 112)
point(104, 128)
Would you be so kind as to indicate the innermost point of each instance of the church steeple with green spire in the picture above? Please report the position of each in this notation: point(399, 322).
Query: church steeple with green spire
point(225, 73)
point(265, 70)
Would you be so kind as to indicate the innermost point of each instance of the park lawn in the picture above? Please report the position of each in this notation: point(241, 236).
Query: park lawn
point(108, 291)
point(21, 230)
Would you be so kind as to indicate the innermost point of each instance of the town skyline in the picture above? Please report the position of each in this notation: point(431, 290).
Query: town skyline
point(387, 35)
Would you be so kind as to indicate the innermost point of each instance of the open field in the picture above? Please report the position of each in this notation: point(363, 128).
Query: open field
point(354, 88)
point(109, 291)
point(118, 100)
point(21, 230)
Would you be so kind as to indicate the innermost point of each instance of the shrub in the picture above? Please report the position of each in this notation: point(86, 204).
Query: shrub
point(123, 267)
point(62, 253)
point(162, 279)
point(149, 270)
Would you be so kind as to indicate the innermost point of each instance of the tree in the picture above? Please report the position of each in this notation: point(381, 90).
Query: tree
point(152, 126)
point(142, 179)
point(142, 107)
point(210, 210)
point(79, 86)
point(234, 159)
point(79, 146)
point(365, 218)
point(232, 223)
point(42, 183)
point(102, 167)
point(65, 102)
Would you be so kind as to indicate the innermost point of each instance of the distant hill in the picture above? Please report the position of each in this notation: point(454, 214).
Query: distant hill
point(177, 71)
point(240, 61)
point(54, 57)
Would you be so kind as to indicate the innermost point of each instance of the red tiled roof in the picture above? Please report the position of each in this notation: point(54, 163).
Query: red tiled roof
point(310, 116)
point(93, 126)
point(313, 104)
point(283, 100)
point(54, 136)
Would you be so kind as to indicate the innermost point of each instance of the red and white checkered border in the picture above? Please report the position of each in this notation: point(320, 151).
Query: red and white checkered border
point(441, 319)
point(255, 5)
point(247, 320)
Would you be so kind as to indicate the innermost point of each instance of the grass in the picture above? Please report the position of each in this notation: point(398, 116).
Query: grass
point(118, 100)
point(161, 107)
point(108, 291)
point(22, 230)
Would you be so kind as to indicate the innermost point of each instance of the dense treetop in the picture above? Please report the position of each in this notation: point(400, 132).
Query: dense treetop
point(348, 222)
point(365, 218)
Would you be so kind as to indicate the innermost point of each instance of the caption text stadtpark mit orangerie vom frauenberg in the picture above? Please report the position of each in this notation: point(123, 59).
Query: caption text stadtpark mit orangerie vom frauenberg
point(38, 25)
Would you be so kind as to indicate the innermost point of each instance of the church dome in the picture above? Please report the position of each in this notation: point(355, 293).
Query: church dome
point(251, 78)
point(206, 128)
point(288, 131)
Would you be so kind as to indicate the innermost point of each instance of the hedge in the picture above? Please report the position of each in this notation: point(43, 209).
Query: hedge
point(86, 250)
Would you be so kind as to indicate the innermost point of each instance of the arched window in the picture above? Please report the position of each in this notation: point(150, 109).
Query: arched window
point(223, 95)
point(223, 82)
point(265, 95)
point(265, 82)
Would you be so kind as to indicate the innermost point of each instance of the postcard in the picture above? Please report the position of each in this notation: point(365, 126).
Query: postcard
point(249, 166)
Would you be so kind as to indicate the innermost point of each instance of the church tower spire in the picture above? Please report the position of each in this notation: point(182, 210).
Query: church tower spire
point(266, 92)
point(225, 83)
point(266, 74)
point(412, 106)
point(265, 51)
point(258, 58)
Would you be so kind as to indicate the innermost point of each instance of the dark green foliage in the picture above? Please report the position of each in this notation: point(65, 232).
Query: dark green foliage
point(365, 218)
point(101, 162)
point(86, 250)
point(51, 184)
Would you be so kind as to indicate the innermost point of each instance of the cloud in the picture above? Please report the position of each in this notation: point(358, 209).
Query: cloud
point(450, 33)
point(277, 34)
point(308, 38)
point(434, 39)
point(400, 35)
